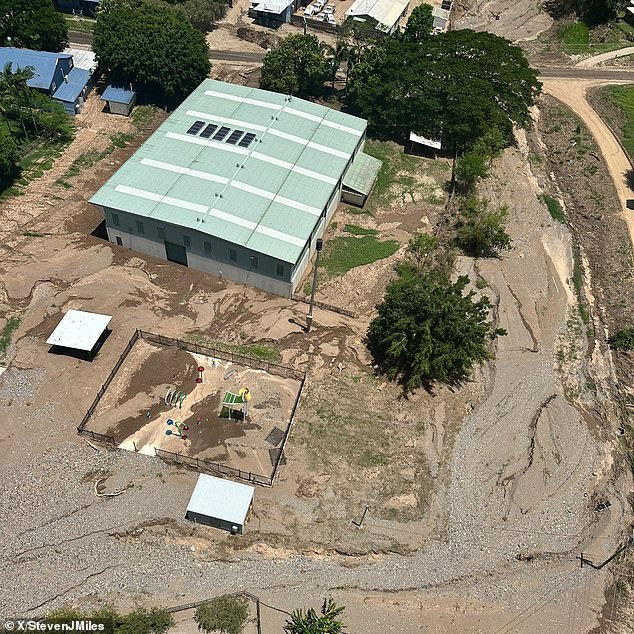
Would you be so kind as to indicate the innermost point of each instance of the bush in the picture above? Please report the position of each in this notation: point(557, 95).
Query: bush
point(482, 232)
point(226, 615)
point(622, 340)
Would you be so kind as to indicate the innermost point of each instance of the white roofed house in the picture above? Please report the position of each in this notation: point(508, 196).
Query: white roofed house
point(80, 333)
point(385, 15)
point(273, 13)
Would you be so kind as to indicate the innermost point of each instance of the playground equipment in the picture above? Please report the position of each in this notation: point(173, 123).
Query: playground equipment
point(181, 428)
point(236, 402)
point(201, 369)
point(175, 398)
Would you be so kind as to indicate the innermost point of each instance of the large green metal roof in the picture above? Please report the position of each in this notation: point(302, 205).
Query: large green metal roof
point(268, 196)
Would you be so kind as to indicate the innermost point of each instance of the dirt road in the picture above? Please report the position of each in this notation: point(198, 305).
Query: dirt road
point(604, 57)
point(573, 94)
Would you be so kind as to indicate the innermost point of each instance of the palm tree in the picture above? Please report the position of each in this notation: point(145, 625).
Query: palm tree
point(309, 622)
point(14, 93)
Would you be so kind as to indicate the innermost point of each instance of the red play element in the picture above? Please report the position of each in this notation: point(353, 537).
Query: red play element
point(201, 368)
point(184, 437)
point(185, 428)
point(199, 380)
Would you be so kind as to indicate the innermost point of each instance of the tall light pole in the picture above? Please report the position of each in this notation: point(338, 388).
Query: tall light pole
point(309, 318)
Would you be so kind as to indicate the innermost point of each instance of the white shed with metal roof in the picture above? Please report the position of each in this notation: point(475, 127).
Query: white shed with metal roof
point(80, 330)
point(220, 503)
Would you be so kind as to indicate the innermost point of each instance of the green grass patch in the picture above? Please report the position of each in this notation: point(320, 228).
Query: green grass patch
point(402, 176)
point(33, 234)
point(81, 25)
point(344, 253)
point(142, 116)
point(554, 208)
point(7, 333)
point(90, 158)
point(579, 39)
point(623, 98)
point(356, 230)
point(258, 350)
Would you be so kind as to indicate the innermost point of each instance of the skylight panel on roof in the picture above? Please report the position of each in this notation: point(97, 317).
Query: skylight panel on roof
point(196, 127)
point(209, 130)
point(235, 136)
point(221, 134)
point(247, 140)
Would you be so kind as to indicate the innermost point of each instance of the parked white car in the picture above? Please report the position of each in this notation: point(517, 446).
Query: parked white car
point(319, 5)
point(310, 10)
point(329, 18)
point(329, 9)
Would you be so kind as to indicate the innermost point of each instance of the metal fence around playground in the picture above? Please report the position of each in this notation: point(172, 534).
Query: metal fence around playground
point(199, 464)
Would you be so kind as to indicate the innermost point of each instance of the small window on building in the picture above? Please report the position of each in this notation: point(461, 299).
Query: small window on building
point(160, 232)
point(254, 262)
point(186, 241)
point(119, 241)
point(233, 256)
point(280, 270)
point(139, 227)
point(115, 220)
point(207, 247)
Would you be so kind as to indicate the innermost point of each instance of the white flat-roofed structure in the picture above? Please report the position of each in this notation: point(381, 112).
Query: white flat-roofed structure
point(220, 503)
point(80, 330)
point(384, 15)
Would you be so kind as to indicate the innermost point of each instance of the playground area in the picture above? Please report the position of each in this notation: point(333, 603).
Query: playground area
point(165, 398)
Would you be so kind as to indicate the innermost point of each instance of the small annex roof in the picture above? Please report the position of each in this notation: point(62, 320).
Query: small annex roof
point(271, 6)
point(385, 12)
point(79, 330)
point(362, 173)
point(43, 63)
point(118, 94)
point(248, 166)
point(83, 59)
point(222, 499)
point(73, 85)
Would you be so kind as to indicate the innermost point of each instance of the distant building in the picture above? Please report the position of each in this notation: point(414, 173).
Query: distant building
point(423, 146)
point(54, 74)
point(441, 19)
point(84, 7)
point(120, 100)
point(273, 13)
point(238, 182)
point(385, 15)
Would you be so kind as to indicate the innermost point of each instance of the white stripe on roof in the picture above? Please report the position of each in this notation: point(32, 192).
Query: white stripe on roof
point(297, 113)
point(330, 124)
point(257, 191)
point(272, 131)
point(215, 213)
point(256, 155)
point(214, 144)
point(272, 233)
point(252, 102)
point(243, 124)
point(159, 198)
point(177, 169)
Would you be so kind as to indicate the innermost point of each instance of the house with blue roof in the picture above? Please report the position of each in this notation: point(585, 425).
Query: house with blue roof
point(54, 74)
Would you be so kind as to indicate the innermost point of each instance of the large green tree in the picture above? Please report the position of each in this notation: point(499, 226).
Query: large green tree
point(481, 231)
point(152, 46)
point(227, 615)
point(419, 24)
point(428, 329)
point(456, 86)
point(32, 24)
point(311, 622)
point(297, 67)
point(593, 11)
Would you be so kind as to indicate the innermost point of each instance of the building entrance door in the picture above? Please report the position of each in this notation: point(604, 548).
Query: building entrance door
point(176, 253)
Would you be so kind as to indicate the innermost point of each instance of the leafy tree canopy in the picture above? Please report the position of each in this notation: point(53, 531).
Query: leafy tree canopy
point(310, 622)
point(428, 329)
point(204, 14)
point(457, 86)
point(32, 24)
point(9, 157)
point(152, 46)
point(420, 24)
point(297, 67)
point(622, 340)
